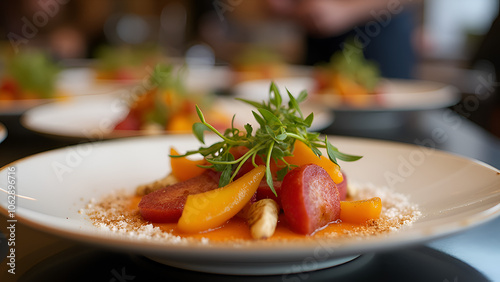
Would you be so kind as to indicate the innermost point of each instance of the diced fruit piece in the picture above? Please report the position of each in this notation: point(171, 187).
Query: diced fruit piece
point(184, 168)
point(302, 155)
point(360, 211)
point(310, 199)
point(166, 204)
point(213, 208)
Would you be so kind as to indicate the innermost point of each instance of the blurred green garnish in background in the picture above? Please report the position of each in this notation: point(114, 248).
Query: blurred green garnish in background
point(33, 72)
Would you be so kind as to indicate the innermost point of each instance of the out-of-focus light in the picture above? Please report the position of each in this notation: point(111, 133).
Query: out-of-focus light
point(200, 54)
point(132, 29)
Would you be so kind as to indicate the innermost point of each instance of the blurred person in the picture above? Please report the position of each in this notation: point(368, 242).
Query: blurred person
point(384, 29)
point(487, 59)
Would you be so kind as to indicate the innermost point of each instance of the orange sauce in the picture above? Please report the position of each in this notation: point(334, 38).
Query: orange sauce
point(237, 229)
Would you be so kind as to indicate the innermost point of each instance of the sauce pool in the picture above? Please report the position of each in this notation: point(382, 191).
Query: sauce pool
point(238, 229)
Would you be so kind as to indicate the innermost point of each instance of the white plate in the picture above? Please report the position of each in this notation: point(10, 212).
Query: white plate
point(396, 94)
point(94, 117)
point(71, 83)
point(3, 132)
point(258, 90)
point(453, 193)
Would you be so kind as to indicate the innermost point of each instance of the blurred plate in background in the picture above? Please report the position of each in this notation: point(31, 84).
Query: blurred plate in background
point(94, 117)
point(71, 83)
point(395, 94)
point(258, 90)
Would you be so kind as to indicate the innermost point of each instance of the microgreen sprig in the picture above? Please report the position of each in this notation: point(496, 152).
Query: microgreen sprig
point(280, 126)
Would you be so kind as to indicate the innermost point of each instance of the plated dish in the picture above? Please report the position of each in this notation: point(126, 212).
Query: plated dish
point(395, 95)
point(71, 83)
point(94, 117)
point(439, 183)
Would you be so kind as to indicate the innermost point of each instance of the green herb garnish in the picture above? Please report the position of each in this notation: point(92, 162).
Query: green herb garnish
point(165, 80)
point(352, 63)
point(34, 72)
point(280, 126)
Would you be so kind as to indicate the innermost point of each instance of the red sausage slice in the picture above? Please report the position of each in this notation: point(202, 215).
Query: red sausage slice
point(166, 204)
point(310, 199)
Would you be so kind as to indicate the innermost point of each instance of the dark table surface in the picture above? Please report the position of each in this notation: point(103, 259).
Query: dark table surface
point(472, 255)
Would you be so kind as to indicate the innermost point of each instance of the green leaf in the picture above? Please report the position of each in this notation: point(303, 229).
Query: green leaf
point(293, 103)
point(269, 176)
point(269, 117)
point(276, 100)
point(225, 176)
point(270, 131)
point(252, 103)
point(259, 119)
point(199, 130)
point(249, 129)
point(278, 153)
point(281, 136)
point(302, 96)
point(200, 114)
point(316, 151)
point(346, 157)
point(280, 174)
point(331, 152)
point(309, 120)
point(334, 153)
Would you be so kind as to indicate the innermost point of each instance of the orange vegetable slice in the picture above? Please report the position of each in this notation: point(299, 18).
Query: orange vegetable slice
point(180, 123)
point(360, 211)
point(213, 208)
point(303, 155)
point(184, 168)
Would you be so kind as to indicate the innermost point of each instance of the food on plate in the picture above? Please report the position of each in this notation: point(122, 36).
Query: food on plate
point(29, 75)
point(258, 62)
point(349, 76)
point(166, 105)
point(221, 200)
point(126, 64)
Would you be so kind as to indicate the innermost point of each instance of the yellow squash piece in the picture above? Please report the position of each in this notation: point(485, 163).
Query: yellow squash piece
point(213, 208)
point(360, 211)
point(303, 155)
point(184, 168)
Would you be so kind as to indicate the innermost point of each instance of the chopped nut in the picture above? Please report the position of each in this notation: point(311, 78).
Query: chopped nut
point(145, 189)
point(263, 218)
